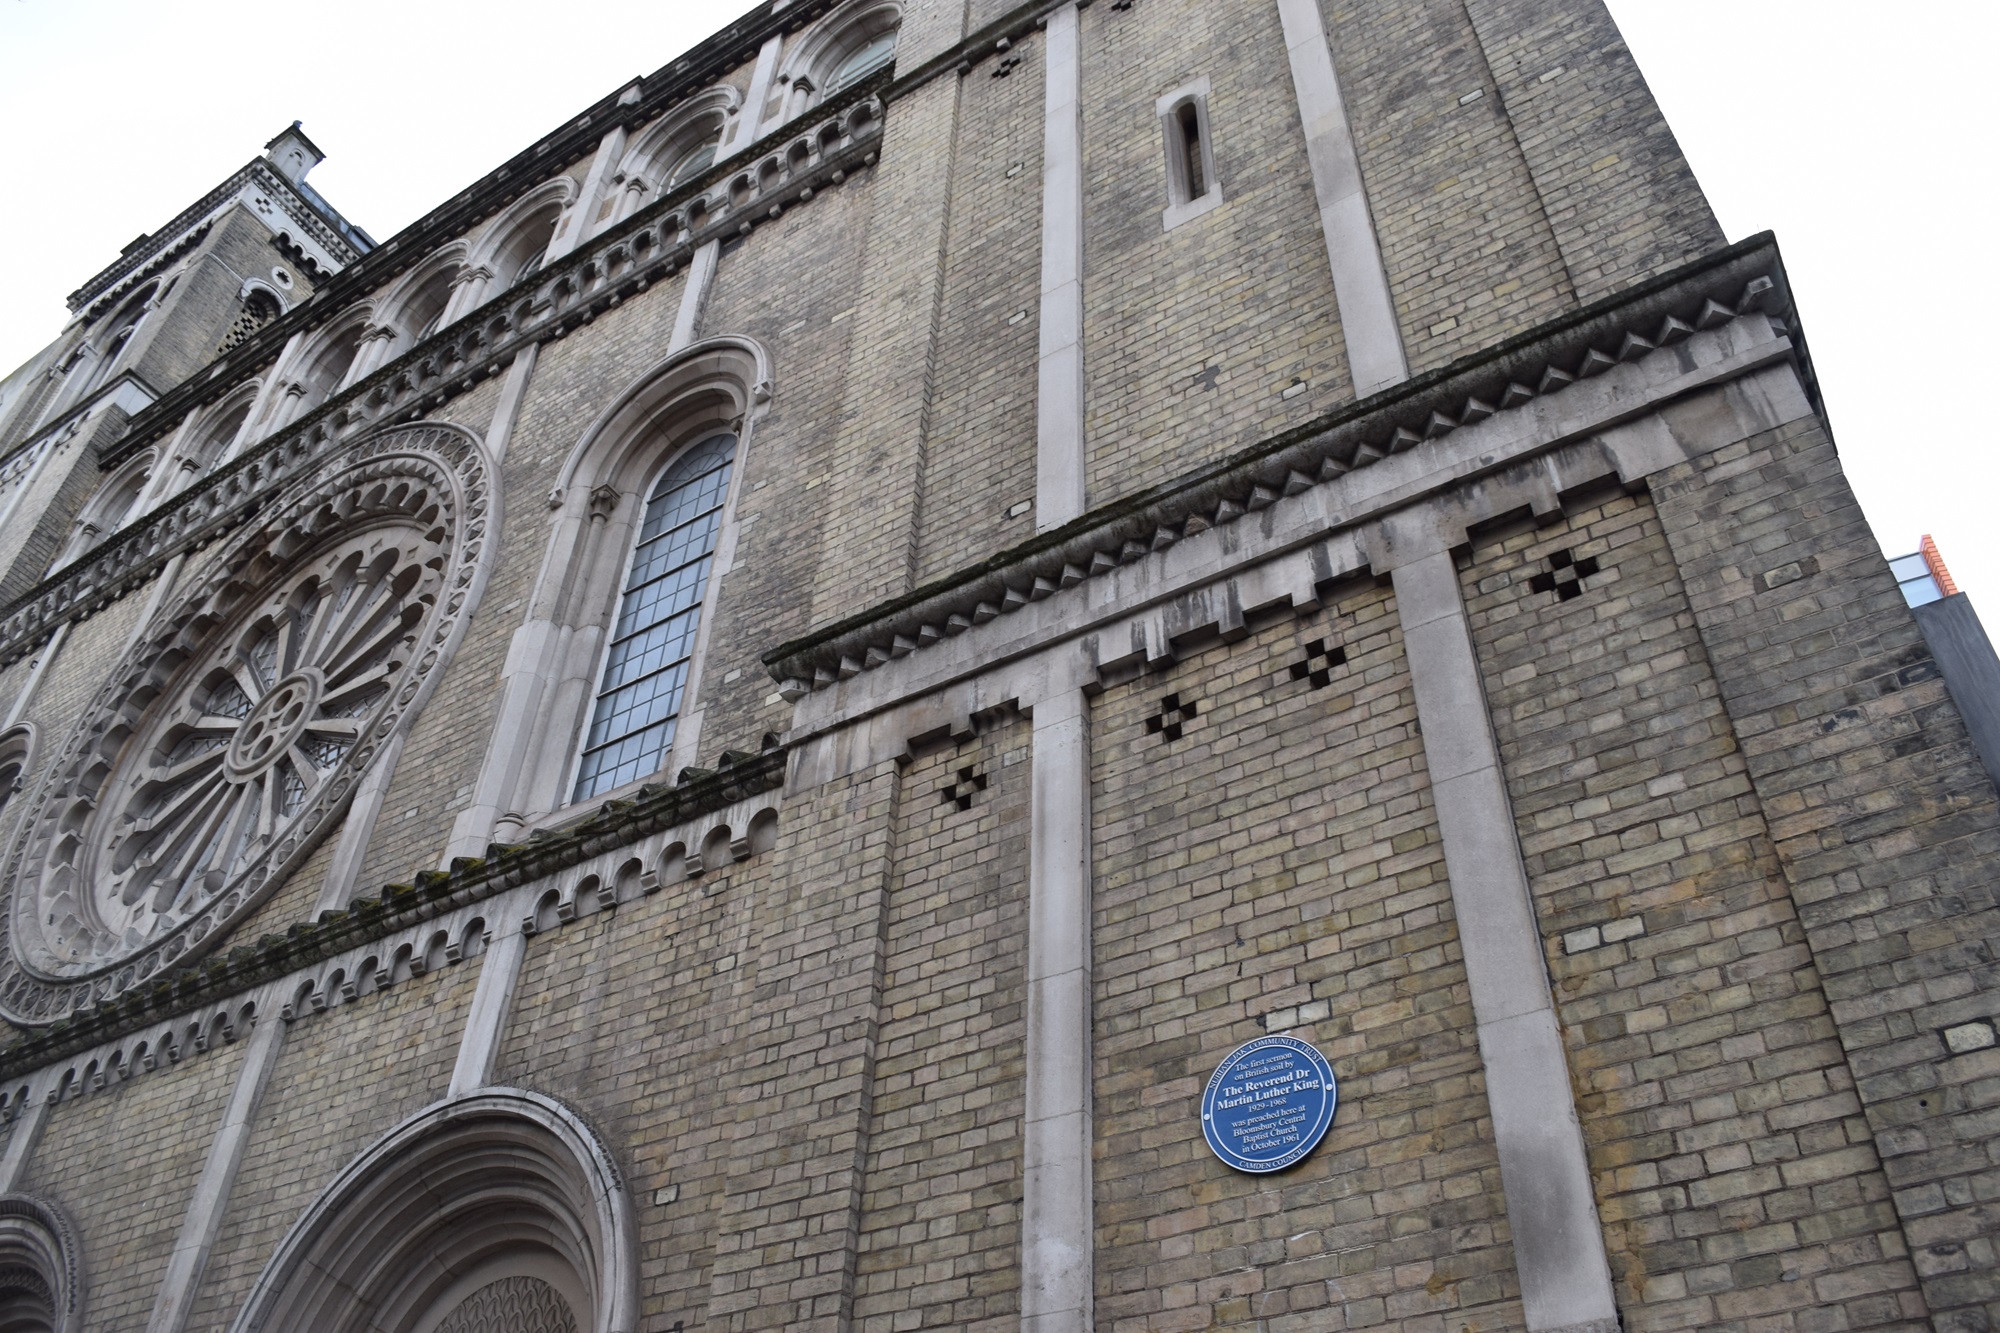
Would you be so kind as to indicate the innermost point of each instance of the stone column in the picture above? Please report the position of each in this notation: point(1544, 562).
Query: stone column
point(1059, 455)
point(580, 222)
point(1058, 1247)
point(492, 1000)
point(750, 122)
point(1360, 284)
point(694, 295)
point(218, 1175)
point(1551, 1208)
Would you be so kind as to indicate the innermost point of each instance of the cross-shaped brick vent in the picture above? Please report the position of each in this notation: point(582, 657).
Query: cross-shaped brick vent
point(1318, 663)
point(1565, 575)
point(960, 792)
point(1173, 715)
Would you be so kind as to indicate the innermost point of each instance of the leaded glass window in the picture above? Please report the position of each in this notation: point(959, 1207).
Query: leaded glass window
point(874, 54)
point(652, 639)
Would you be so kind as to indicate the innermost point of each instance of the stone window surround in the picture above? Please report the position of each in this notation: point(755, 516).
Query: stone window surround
point(558, 651)
point(121, 496)
point(395, 306)
point(641, 175)
point(462, 1151)
point(1183, 205)
point(803, 73)
point(635, 506)
point(492, 258)
point(35, 1236)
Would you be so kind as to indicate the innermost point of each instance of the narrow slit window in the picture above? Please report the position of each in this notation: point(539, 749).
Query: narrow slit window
point(1187, 119)
point(652, 638)
point(1192, 187)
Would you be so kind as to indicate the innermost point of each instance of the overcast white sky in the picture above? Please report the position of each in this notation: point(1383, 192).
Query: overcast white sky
point(1865, 139)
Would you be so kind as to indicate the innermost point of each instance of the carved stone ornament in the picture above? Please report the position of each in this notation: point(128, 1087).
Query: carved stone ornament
point(231, 737)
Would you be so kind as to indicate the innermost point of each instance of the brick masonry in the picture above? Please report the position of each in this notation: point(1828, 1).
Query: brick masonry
point(1739, 1180)
point(1759, 846)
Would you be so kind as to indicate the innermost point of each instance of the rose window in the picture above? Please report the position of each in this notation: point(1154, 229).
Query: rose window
point(254, 729)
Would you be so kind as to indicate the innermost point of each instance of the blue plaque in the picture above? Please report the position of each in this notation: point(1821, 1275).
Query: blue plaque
point(1269, 1104)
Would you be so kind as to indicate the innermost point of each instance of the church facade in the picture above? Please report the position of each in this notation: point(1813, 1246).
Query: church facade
point(724, 732)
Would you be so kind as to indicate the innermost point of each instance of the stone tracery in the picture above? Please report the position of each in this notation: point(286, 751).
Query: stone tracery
point(234, 732)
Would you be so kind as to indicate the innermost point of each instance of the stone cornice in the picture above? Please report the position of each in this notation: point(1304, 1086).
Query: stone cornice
point(660, 92)
point(712, 191)
point(110, 283)
point(1713, 290)
point(432, 894)
point(843, 136)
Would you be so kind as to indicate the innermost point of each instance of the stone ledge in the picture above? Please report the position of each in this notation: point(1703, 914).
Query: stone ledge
point(431, 894)
point(1712, 291)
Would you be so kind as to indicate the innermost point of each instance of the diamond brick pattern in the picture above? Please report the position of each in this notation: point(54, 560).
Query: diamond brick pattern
point(1172, 719)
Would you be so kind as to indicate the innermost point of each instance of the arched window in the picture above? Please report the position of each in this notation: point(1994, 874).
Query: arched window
point(424, 313)
point(651, 642)
point(841, 50)
point(498, 1210)
point(692, 164)
point(859, 64)
point(39, 1291)
point(326, 368)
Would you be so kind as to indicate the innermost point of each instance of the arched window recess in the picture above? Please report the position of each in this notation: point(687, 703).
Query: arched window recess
point(840, 51)
point(501, 1200)
point(673, 150)
point(642, 535)
point(17, 759)
point(651, 644)
point(41, 1280)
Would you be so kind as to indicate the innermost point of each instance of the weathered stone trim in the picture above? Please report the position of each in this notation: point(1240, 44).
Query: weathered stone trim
point(1060, 462)
point(433, 894)
point(1058, 1240)
point(1544, 1170)
point(36, 1235)
point(478, 1145)
point(1373, 337)
point(203, 1219)
point(818, 150)
point(1526, 369)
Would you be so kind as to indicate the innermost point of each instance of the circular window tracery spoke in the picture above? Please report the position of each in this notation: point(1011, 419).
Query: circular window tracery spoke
point(261, 725)
point(229, 738)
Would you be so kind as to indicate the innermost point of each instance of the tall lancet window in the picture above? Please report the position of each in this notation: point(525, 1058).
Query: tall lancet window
point(652, 640)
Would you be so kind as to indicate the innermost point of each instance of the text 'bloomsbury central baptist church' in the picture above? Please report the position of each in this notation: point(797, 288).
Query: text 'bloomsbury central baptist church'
point(961, 664)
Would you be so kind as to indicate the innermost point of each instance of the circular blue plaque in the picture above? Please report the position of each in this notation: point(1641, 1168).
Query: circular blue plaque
point(1268, 1104)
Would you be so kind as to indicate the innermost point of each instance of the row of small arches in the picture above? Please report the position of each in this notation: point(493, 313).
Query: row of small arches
point(412, 958)
point(678, 862)
point(167, 1045)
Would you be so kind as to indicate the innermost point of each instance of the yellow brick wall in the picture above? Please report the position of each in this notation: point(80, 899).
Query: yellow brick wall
point(343, 1079)
point(1736, 1175)
point(940, 1211)
point(1192, 337)
point(1278, 868)
point(122, 1165)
